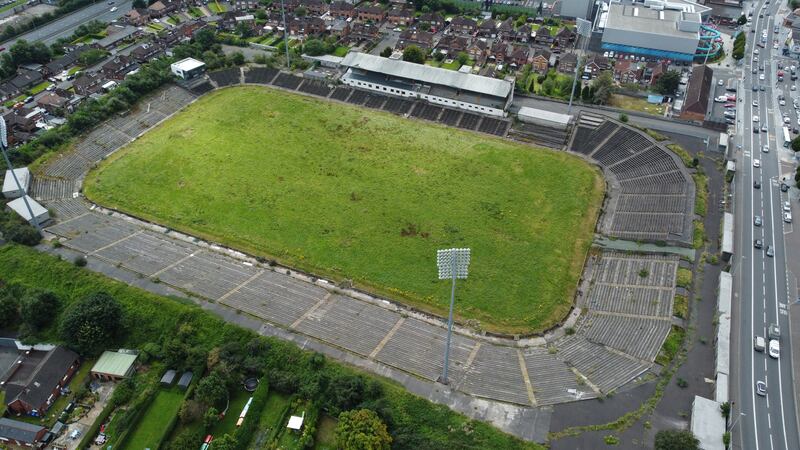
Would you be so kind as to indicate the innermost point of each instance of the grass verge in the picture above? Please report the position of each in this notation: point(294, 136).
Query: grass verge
point(684, 278)
point(680, 307)
point(636, 104)
point(683, 154)
point(701, 194)
point(151, 428)
point(349, 193)
point(671, 347)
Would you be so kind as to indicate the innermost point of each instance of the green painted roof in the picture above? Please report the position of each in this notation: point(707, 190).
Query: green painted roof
point(114, 363)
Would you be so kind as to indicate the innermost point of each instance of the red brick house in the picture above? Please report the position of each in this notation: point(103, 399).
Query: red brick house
point(421, 39)
point(19, 434)
point(478, 50)
point(452, 44)
point(433, 20)
point(597, 64)
point(34, 394)
point(523, 34)
point(487, 28)
point(306, 26)
point(506, 29)
point(360, 32)
point(374, 13)
point(541, 60)
point(653, 71)
point(119, 67)
point(499, 51)
point(398, 16)
point(565, 37)
point(315, 7)
point(342, 9)
point(627, 72)
point(138, 17)
point(518, 56)
point(462, 25)
point(567, 63)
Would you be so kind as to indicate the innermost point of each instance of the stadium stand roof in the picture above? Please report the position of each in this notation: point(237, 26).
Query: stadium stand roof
point(427, 74)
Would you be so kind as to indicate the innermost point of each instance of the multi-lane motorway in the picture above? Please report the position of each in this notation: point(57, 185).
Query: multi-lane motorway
point(65, 26)
point(764, 422)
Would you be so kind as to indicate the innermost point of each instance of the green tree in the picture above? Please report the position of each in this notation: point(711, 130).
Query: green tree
point(261, 14)
point(462, 58)
point(237, 58)
point(92, 324)
point(226, 442)
point(300, 11)
point(139, 4)
point(211, 390)
point(387, 52)
point(210, 418)
point(676, 440)
point(314, 47)
point(587, 94)
point(361, 429)
point(742, 20)
point(602, 88)
point(725, 409)
point(37, 309)
point(668, 83)
point(623, 117)
point(9, 308)
point(92, 56)
point(414, 54)
point(796, 144)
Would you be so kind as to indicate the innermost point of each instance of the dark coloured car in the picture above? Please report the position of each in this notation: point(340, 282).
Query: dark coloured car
point(758, 243)
point(757, 184)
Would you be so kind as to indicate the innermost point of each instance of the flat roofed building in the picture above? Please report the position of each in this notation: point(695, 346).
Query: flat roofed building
point(440, 86)
point(40, 213)
point(188, 68)
point(10, 188)
point(665, 29)
point(544, 118)
point(113, 366)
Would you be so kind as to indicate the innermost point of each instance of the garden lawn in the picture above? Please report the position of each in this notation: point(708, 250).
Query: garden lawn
point(228, 423)
point(325, 437)
point(351, 193)
point(153, 425)
point(636, 104)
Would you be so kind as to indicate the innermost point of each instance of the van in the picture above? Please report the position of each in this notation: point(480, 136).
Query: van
point(774, 331)
point(759, 344)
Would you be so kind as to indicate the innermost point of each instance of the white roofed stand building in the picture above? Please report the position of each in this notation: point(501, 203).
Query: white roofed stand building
point(10, 188)
point(440, 86)
point(188, 68)
point(40, 213)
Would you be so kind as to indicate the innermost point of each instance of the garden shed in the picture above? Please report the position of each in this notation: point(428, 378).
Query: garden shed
point(169, 378)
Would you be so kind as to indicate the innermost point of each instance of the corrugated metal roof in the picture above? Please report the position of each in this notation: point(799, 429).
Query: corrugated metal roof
point(114, 363)
point(427, 74)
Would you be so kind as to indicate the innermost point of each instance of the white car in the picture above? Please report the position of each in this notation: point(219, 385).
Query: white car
point(721, 82)
point(765, 149)
point(782, 102)
point(755, 103)
point(775, 46)
point(774, 349)
point(114, 9)
point(787, 217)
point(755, 119)
point(756, 50)
point(787, 120)
point(787, 206)
point(756, 163)
point(761, 77)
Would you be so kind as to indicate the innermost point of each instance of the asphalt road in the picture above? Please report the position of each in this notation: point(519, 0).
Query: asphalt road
point(66, 25)
point(764, 422)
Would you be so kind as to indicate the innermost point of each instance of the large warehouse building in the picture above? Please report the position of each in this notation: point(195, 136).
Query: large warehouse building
point(440, 86)
point(658, 28)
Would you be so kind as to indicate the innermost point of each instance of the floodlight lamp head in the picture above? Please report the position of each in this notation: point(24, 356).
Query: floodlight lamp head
point(3, 137)
point(453, 263)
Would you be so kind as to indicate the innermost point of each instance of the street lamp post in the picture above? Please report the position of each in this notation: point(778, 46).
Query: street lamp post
point(453, 263)
point(3, 148)
point(741, 414)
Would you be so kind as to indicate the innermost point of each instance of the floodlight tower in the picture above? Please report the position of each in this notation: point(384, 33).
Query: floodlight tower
point(452, 263)
point(3, 148)
point(584, 28)
point(285, 35)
